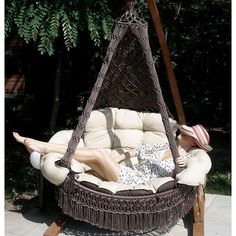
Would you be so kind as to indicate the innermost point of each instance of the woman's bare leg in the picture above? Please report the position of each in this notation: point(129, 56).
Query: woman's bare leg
point(98, 159)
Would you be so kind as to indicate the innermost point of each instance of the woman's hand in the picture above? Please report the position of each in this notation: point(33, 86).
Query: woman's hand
point(181, 161)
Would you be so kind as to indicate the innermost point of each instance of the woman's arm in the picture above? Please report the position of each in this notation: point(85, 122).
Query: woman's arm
point(181, 161)
point(127, 155)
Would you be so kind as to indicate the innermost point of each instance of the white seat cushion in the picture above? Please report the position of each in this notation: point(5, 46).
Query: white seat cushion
point(118, 130)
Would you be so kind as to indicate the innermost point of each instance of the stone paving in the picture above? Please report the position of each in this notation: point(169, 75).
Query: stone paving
point(32, 222)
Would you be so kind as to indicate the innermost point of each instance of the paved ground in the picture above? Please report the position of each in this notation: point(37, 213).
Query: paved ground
point(33, 223)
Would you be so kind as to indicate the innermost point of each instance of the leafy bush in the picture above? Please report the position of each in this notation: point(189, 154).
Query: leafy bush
point(43, 22)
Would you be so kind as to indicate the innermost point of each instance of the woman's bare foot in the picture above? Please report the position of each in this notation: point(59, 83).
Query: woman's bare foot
point(30, 144)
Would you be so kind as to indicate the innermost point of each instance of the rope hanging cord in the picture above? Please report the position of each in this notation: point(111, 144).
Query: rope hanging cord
point(161, 103)
point(117, 35)
point(139, 28)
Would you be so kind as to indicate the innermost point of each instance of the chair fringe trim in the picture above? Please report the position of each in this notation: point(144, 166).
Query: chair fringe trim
point(125, 213)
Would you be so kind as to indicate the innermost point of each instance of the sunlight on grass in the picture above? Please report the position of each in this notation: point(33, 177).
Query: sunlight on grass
point(219, 183)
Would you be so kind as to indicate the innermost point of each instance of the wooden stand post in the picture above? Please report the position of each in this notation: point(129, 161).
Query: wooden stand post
point(57, 226)
point(198, 209)
point(42, 202)
point(167, 60)
point(198, 212)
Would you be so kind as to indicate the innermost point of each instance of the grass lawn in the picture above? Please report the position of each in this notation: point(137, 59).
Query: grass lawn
point(219, 182)
point(219, 177)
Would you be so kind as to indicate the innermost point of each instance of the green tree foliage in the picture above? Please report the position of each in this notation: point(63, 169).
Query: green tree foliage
point(197, 32)
point(198, 36)
point(43, 22)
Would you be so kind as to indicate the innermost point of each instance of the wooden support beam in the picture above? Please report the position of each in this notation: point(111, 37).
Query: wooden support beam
point(57, 226)
point(198, 208)
point(167, 61)
point(42, 202)
point(198, 212)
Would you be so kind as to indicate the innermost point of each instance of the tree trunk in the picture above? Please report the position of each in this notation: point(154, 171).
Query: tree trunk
point(56, 94)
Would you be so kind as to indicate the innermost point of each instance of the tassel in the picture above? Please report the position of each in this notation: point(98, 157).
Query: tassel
point(122, 214)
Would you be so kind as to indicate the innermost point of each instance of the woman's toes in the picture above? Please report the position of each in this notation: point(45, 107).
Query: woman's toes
point(18, 138)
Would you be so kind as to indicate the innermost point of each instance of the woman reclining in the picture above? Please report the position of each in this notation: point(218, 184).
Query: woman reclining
point(156, 160)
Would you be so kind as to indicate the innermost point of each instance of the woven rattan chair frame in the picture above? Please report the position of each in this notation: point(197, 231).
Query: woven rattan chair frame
point(127, 79)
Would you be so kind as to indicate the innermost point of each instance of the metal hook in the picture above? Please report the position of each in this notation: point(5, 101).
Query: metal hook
point(130, 5)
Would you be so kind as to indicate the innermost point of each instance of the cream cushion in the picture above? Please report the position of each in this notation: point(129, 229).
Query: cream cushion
point(197, 168)
point(118, 130)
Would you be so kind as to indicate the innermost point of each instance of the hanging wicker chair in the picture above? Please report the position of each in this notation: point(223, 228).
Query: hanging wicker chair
point(127, 80)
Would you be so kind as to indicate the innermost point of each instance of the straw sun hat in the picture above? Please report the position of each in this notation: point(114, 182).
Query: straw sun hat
point(199, 133)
